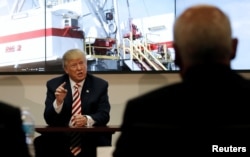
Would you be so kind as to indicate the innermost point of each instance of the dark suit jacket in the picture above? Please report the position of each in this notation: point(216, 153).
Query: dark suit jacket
point(95, 103)
point(210, 107)
point(12, 136)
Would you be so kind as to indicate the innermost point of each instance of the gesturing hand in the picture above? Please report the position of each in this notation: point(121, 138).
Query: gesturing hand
point(60, 93)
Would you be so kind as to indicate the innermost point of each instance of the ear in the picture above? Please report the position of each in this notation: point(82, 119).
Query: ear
point(234, 47)
point(65, 70)
point(177, 59)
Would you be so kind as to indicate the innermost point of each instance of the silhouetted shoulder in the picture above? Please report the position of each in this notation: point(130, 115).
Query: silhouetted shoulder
point(7, 107)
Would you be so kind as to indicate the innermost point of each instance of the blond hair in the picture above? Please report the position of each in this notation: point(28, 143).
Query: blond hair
point(72, 54)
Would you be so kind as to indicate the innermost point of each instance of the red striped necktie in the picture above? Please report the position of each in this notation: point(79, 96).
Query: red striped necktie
point(75, 145)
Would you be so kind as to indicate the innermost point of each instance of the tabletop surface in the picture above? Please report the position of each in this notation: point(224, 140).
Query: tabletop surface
point(108, 128)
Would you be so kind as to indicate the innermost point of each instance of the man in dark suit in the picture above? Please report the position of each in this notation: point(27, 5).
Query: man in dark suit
point(95, 109)
point(204, 114)
point(12, 136)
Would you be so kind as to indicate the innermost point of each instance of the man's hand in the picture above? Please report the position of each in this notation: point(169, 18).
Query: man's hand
point(60, 94)
point(79, 120)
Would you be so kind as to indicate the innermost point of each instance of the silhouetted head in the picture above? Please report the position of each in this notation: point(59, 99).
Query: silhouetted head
point(203, 35)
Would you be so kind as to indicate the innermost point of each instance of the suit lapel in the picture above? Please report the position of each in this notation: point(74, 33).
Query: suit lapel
point(86, 91)
point(68, 98)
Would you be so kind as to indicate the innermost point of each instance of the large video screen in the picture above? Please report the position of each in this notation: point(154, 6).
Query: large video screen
point(118, 36)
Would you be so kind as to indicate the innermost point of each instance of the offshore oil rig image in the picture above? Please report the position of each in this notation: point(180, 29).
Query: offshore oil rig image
point(38, 32)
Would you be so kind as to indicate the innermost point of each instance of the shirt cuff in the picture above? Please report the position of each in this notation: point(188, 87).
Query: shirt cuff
point(90, 121)
point(57, 108)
